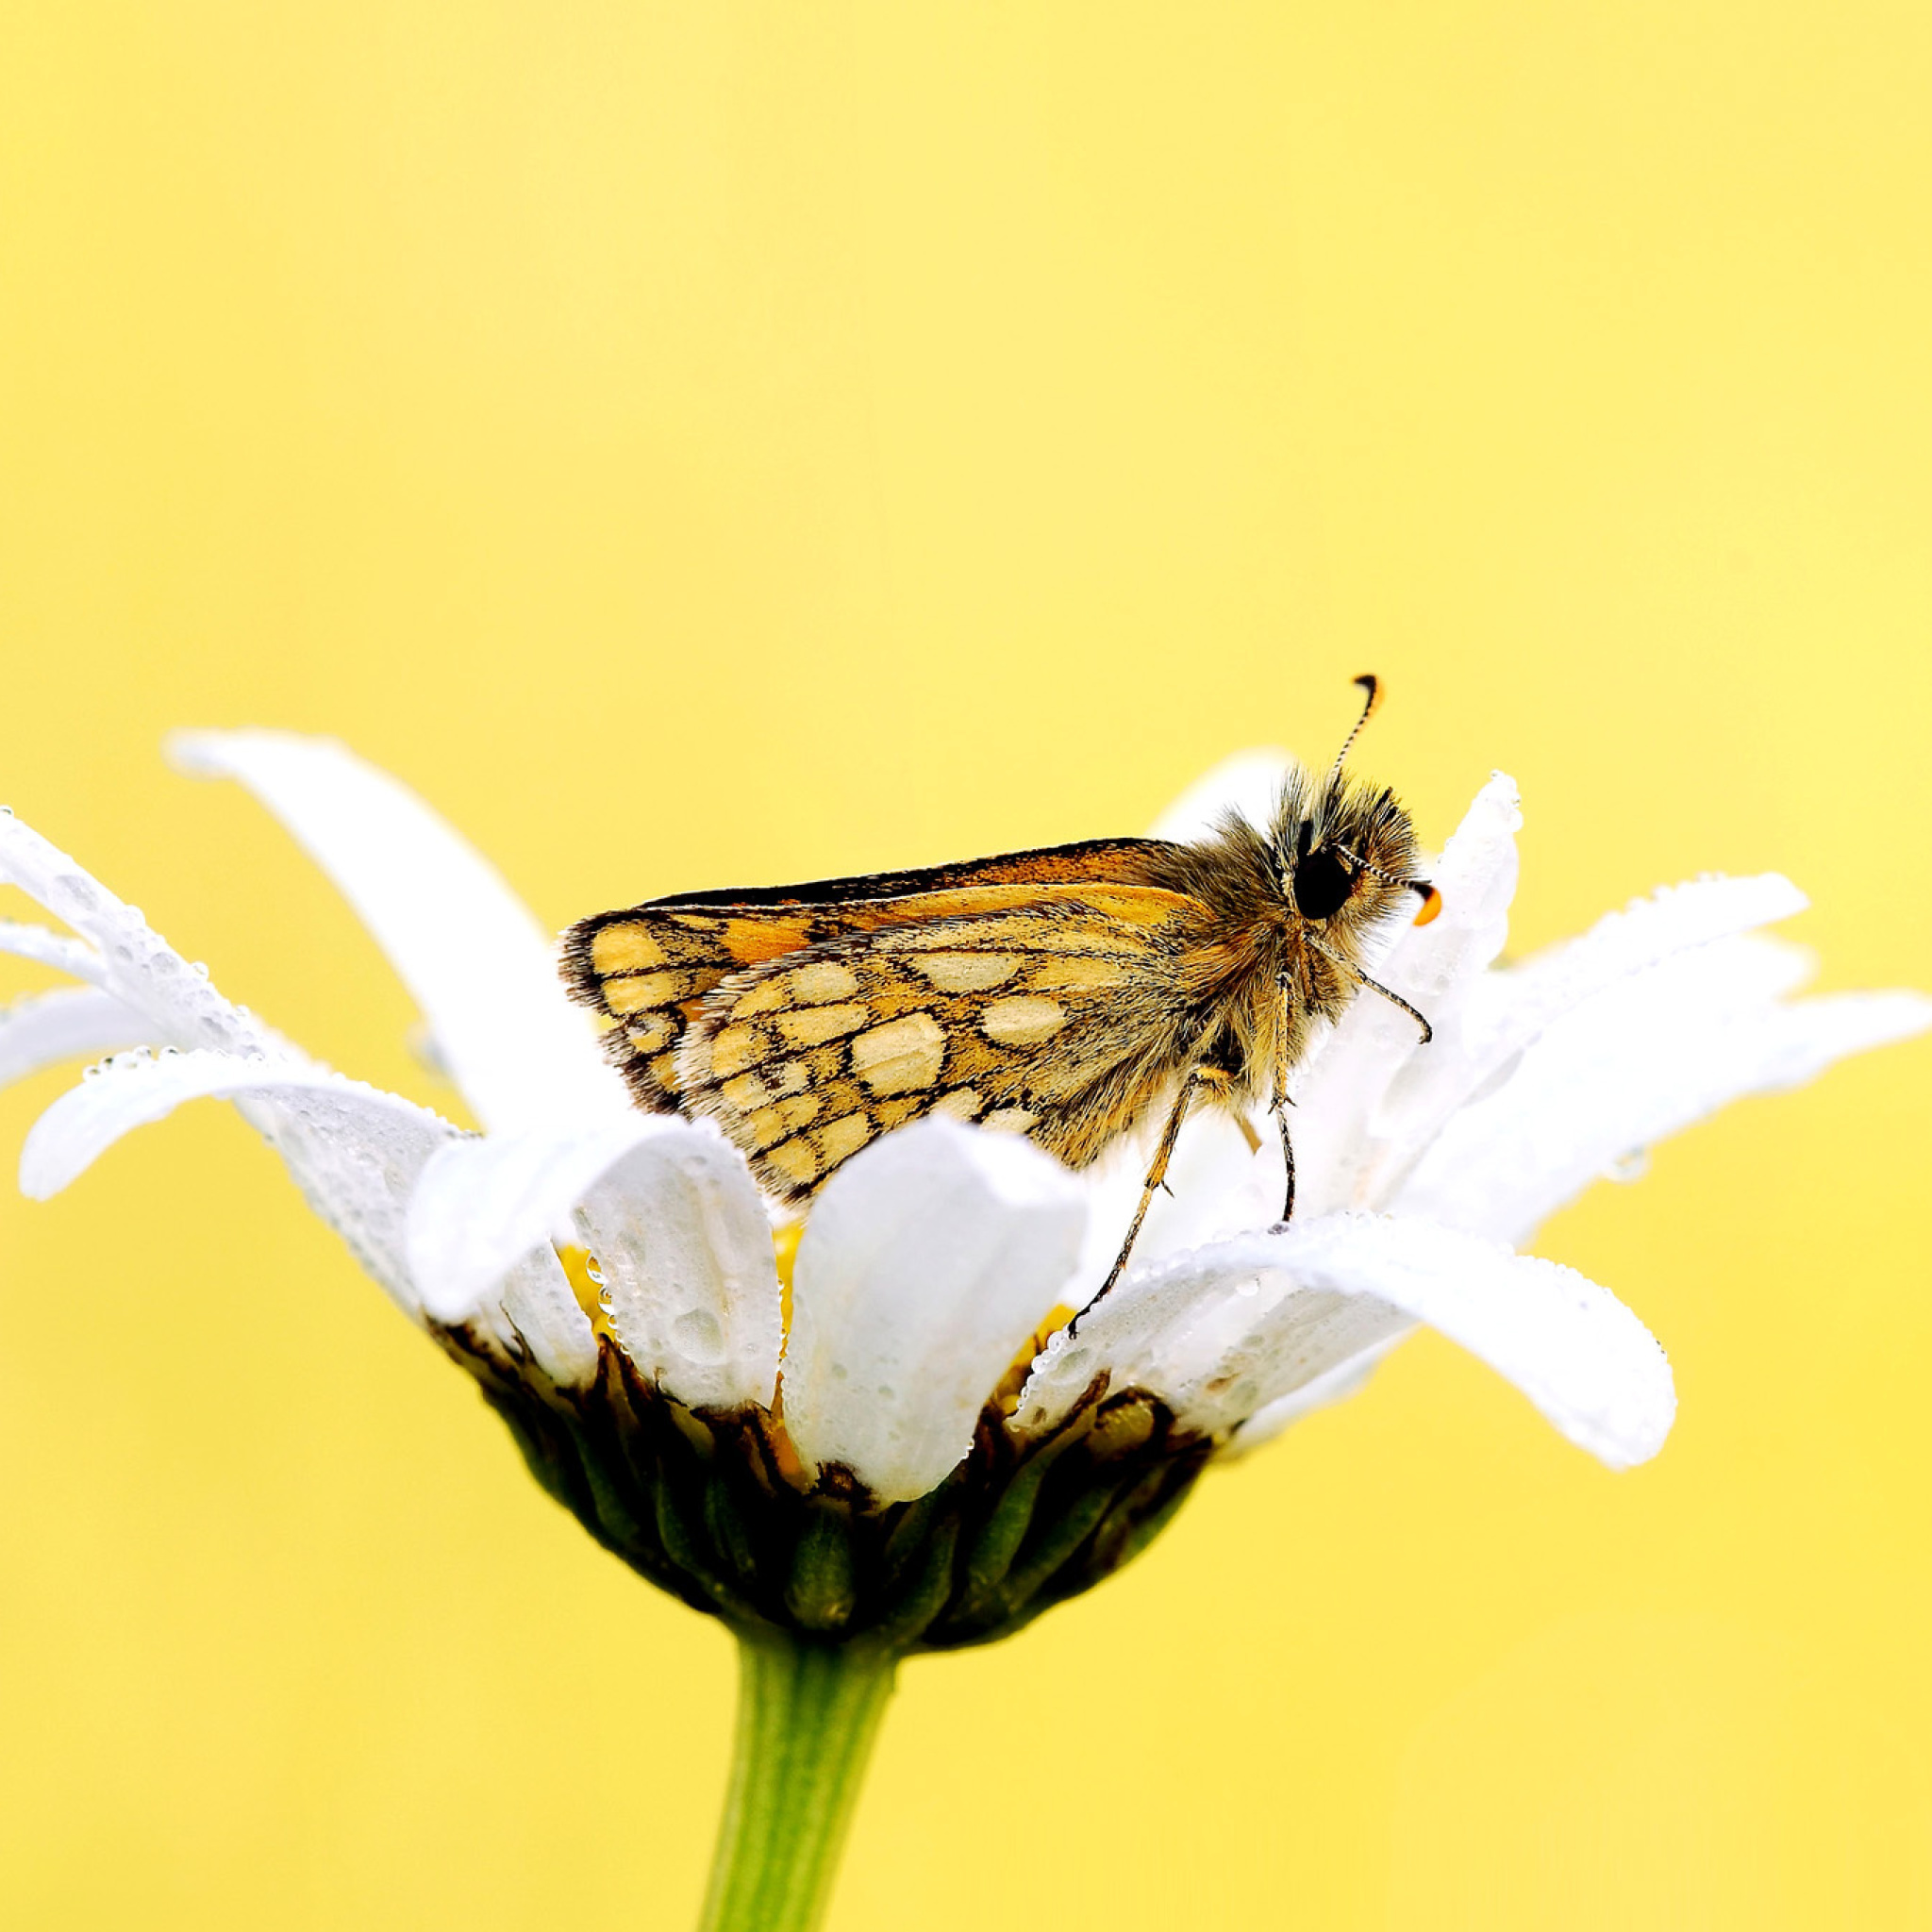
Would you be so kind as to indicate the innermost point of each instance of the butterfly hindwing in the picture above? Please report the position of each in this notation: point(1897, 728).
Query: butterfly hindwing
point(1054, 1017)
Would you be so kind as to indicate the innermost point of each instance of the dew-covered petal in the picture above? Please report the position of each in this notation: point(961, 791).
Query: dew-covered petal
point(46, 947)
point(927, 1262)
point(1225, 1332)
point(1507, 1011)
point(1346, 1129)
point(482, 1205)
point(42, 1029)
point(122, 954)
point(1644, 1058)
point(1247, 783)
point(1334, 1385)
point(680, 1235)
point(481, 969)
point(671, 1216)
point(354, 1150)
point(1216, 1346)
point(1672, 920)
point(534, 1308)
point(1476, 877)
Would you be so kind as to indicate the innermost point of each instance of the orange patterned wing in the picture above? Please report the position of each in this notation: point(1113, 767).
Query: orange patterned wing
point(648, 969)
point(1059, 1015)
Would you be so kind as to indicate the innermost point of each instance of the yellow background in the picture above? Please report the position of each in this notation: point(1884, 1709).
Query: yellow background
point(706, 444)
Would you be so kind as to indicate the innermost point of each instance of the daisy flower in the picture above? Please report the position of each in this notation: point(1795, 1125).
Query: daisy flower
point(878, 1433)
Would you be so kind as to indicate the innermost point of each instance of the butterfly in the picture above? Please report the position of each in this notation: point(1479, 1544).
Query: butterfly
point(1066, 993)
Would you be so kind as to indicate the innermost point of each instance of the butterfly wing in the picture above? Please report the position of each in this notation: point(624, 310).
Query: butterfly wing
point(648, 969)
point(1059, 1015)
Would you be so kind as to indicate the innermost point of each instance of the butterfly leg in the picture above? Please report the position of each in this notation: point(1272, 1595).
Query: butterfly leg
point(1156, 1175)
point(1282, 1102)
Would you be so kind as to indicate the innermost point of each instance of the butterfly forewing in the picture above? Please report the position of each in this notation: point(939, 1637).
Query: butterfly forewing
point(1055, 1017)
point(648, 969)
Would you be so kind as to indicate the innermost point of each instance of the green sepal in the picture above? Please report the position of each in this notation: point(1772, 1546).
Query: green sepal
point(821, 1591)
point(992, 1551)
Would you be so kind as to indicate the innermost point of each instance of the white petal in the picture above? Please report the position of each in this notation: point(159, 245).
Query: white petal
point(1673, 919)
point(535, 1306)
point(1642, 1059)
point(927, 1262)
point(125, 957)
point(1215, 1346)
point(681, 1237)
point(42, 1029)
point(46, 947)
point(1346, 1126)
point(1476, 877)
point(1248, 783)
point(1334, 1385)
point(1507, 1011)
point(1582, 1357)
point(669, 1211)
point(353, 1150)
point(478, 965)
point(481, 1206)
point(479, 1241)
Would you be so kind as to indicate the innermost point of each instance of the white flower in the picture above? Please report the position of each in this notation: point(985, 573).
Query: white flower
point(930, 1260)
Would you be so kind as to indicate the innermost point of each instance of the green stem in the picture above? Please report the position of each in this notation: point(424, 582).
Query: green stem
point(808, 1713)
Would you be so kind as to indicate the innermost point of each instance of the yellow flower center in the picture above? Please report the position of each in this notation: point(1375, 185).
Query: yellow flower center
point(1006, 1395)
point(784, 1250)
point(586, 1280)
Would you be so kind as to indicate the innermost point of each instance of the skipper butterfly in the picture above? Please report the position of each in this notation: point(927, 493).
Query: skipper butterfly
point(1067, 993)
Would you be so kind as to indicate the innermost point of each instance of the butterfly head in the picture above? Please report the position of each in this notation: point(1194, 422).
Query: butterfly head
point(1346, 849)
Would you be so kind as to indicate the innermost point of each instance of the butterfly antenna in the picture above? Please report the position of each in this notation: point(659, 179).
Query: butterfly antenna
point(1432, 900)
point(1387, 878)
point(1372, 685)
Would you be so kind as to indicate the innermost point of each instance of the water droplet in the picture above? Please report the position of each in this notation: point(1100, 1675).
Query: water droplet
point(199, 968)
point(6, 812)
point(1631, 1165)
point(593, 1271)
point(92, 1073)
point(699, 1336)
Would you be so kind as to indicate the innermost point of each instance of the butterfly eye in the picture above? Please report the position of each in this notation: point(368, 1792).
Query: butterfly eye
point(1322, 884)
